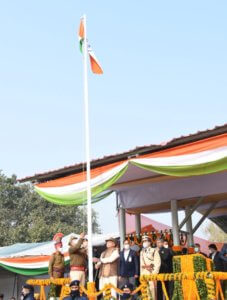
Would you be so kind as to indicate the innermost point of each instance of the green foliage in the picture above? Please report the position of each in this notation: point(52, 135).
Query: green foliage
point(52, 291)
point(177, 292)
point(26, 217)
point(199, 266)
point(215, 233)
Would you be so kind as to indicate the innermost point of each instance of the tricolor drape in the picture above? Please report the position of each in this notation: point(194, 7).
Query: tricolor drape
point(198, 158)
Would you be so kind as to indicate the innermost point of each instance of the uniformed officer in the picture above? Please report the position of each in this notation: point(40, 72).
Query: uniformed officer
point(166, 256)
point(75, 291)
point(78, 258)
point(57, 262)
point(150, 263)
point(127, 292)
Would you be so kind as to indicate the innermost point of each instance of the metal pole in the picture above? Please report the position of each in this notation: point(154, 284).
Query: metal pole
point(194, 207)
point(138, 224)
point(189, 226)
point(175, 227)
point(122, 226)
point(87, 144)
point(212, 206)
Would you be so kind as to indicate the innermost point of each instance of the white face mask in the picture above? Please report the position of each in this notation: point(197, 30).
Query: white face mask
point(165, 246)
point(196, 249)
point(126, 247)
point(146, 244)
point(74, 242)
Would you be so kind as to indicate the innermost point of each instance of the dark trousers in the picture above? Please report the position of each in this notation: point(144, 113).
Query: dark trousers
point(127, 280)
point(169, 289)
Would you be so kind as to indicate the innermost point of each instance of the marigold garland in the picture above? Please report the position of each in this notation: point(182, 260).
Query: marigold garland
point(208, 277)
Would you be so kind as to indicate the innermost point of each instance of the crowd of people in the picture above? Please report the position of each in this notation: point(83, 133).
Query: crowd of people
point(120, 268)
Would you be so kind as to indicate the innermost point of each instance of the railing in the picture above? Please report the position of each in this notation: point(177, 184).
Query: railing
point(211, 279)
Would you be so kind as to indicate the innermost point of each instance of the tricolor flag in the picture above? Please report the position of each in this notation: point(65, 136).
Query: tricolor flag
point(95, 66)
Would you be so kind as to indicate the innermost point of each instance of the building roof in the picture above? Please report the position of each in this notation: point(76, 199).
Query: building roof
point(76, 168)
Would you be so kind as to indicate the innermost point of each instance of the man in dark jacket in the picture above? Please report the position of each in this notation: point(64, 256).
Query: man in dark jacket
point(128, 265)
point(75, 291)
point(166, 267)
point(27, 292)
point(216, 258)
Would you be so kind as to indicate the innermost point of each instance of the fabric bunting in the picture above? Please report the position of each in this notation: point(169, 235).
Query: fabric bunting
point(199, 158)
point(75, 193)
point(28, 266)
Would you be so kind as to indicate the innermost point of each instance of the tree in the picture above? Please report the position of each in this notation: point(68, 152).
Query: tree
point(26, 217)
point(215, 233)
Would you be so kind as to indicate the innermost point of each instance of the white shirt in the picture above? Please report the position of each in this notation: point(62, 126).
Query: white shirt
point(126, 254)
point(213, 255)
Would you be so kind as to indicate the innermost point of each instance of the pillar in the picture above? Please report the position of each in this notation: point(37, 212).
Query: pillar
point(189, 227)
point(175, 226)
point(138, 224)
point(122, 224)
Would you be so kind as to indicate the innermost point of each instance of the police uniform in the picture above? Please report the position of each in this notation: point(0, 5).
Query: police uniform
point(75, 295)
point(150, 263)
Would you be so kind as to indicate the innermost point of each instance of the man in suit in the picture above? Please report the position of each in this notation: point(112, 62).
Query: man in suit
point(216, 258)
point(198, 250)
point(166, 256)
point(128, 265)
point(150, 263)
point(27, 292)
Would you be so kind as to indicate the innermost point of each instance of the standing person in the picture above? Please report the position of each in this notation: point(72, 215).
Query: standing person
point(78, 259)
point(27, 292)
point(150, 263)
point(75, 291)
point(166, 267)
point(135, 247)
point(216, 258)
point(198, 250)
point(108, 265)
point(128, 265)
point(223, 256)
point(57, 263)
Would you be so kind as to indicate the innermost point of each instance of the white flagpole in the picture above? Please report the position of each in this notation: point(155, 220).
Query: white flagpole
point(87, 145)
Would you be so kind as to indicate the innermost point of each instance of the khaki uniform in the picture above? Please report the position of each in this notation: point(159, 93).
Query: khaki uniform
point(78, 260)
point(56, 265)
point(108, 270)
point(150, 263)
point(57, 268)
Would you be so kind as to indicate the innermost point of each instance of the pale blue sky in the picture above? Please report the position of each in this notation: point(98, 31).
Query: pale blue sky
point(165, 75)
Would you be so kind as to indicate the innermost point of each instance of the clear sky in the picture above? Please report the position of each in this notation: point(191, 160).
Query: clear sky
point(165, 75)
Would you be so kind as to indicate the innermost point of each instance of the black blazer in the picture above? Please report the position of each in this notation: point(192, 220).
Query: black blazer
point(218, 262)
point(166, 256)
point(130, 266)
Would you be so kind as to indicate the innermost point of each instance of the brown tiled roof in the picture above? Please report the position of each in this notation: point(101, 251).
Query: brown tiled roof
point(68, 170)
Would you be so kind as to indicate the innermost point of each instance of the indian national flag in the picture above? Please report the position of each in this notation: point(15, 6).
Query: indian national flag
point(95, 66)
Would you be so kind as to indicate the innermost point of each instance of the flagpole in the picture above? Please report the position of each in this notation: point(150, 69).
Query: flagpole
point(87, 146)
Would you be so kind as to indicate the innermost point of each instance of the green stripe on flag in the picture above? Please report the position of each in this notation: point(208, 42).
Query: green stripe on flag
point(81, 41)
